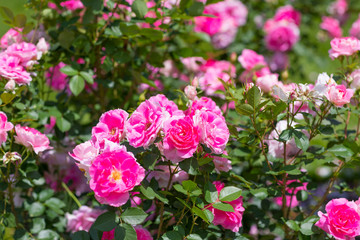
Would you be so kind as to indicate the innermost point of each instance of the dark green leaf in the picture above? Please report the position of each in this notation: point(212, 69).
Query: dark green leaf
point(260, 193)
point(253, 97)
point(223, 207)
point(105, 222)
point(229, 194)
point(301, 140)
point(245, 109)
point(172, 235)
point(81, 235)
point(7, 13)
point(9, 220)
point(63, 124)
point(87, 76)
point(211, 193)
point(134, 216)
point(77, 84)
point(20, 20)
point(139, 8)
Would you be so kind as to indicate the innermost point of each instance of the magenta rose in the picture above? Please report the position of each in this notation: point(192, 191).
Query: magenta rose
point(113, 175)
point(332, 26)
point(345, 46)
point(339, 95)
point(203, 104)
point(281, 36)
point(142, 233)
point(144, 124)
point(181, 138)
point(291, 200)
point(24, 51)
point(5, 126)
point(341, 220)
point(288, 13)
point(72, 4)
point(32, 139)
point(250, 59)
point(55, 78)
point(11, 69)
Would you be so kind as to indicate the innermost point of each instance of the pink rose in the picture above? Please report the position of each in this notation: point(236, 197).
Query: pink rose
point(32, 139)
point(281, 36)
point(72, 4)
point(144, 124)
point(55, 78)
point(113, 175)
point(291, 200)
point(288, 13)
point(42, 47)
point(209, 25)
point(181, 138)
point(203, 104)
point(192, 64)
point(341, 220)
point(339, 95)
point(221, 164)
point(267, 82)
point(168, 107)
point(229, 220)
point(332, 26)
point(10, 37)
point(162, 175)
point(10, 68)
point(5, 126)
point(355, 28)
point(51, 125)
point(355, 79)
point(214, 131)
point(345, 46)
point(338, 8)
point(250, 59)
point(84, 154)
point(82, 219)
point(142, 233)
point(24, 51)
point(190, 92)
point(10, 85)
point(111, 127)
point(279, 61)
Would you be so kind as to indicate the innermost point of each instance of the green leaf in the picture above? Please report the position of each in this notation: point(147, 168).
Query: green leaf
point(185, 4)
point(20, 20)
point(55, 204)
point(211, 193)
point(105, 222)
point(229, 194)
point(38, 224)
point(301, 140)
point(194, 236)
point(286, 135)
point(139, 8)
point(223, 207)
point(96, 5)
point(190, 166)
point(148, 192)
point(306, 228)
point(293, 225)
point(7, 97)
point(341, 151)
point(9, 220)
point(301, 195)
point(260, 193)
point(253, 97)
point(68, 70)
point(172, 235)
point(81, 235)
point(66, 38)
point(200, 213)
point(129, 29)
point(36, 209)
point(152, 34)
point(209, 215)
point(87, 76)
point(180, 188)
point(245, 109)
point(7, 13)
point(189, 185)
point(196, 9)
point(48, 235)
point(77, 84)
point(134, 216)
point(125, 232)
point(63, 124)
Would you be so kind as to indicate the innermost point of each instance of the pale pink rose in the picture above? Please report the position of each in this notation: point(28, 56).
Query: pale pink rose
point(221, 164)
point(345, 46)
point(281, 36)
point(279, 61)
point(168, 107)
point(55, 78)
point(113, 175)
point(10, 37)
point(288, 13)
point(32, 139)
point(290, 198)
point(355, 29)
point(224, 38)
point(192, 64)
point(111, 127)
point(162, 176)
point(301, 107)
point(10, 68)
point(339, 95)
point(181, 138)
point(5, 126)
point(267, 82)
point(42, 47)
point(214, 131)
point(169, 69)
point(332, 26)
point(10, 85)
point(72, 4)
point(142, 233)
point(144, 124)
point(355, 79)
point(341, 220)
point(338, 8)
point(190, 92)
point(81, 219)
point(24, 51)
point(84, 154)
point(203, 104)
point(228, 220)
point(247, 75)
point(250, 59)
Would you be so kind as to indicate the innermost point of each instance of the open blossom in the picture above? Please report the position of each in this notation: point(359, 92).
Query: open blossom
point(10, 68)
point(267, 82)
point(24, 51)
point(250, 59)
point(338, 8)
point(10, 37)
point(332, 26)
point(203, 104)
point(5, 126)
point(111, 127)
point(339, 95)
point(291, 200)
point(81, 219)
point(228, 220)
point(32, 139)
point(84, 154)
point(168, 107)
point(142, 233)
point(192, 64)
point(72, 4)
point(144, 124)
point(281, 36)
point(55, 78)
point(214, 131)
point(341, 220)
point(181, 138)
point(345, 46)
point(221, 164)
point(113, 175)
point(162, 175)
point(355, 29)
point(288, 13)
point(355, 79)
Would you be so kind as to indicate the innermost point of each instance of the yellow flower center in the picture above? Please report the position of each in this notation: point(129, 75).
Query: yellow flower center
point(115, 175)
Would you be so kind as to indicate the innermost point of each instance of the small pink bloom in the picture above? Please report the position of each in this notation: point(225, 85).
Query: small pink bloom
point(332, 26)
point(250, 59)
point(168, 107)
point(111, 127)
point(10, 68)
point(221, 164)
point(192, 64)
point(10, 37)
point(288, 13)
point(181, 138)
point(267, 82)
point(214, 131)
point(203, 104)
point(355, 79)
point(81, 219)
point(339, 95)
point(5, 126)
point(84, 154)
point(32, 139)
point(341, 220)
point(209, 25)
point(279, 61)
point(338, 8)
point(43, 47)
point(345, 46)
point(229, 220)
point(142, 233)
point(144, 124)
point(291, 200)
point(355, 29)
point(55, 78)
point(24, 51)
point(190, 92)
point(281, 36)
point(113, 175)
point(10, 85)
point(162, 175)
point(72, 4)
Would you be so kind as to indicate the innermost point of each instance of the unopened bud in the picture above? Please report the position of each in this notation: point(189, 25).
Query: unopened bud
point(190, 92)
point(11, 157)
